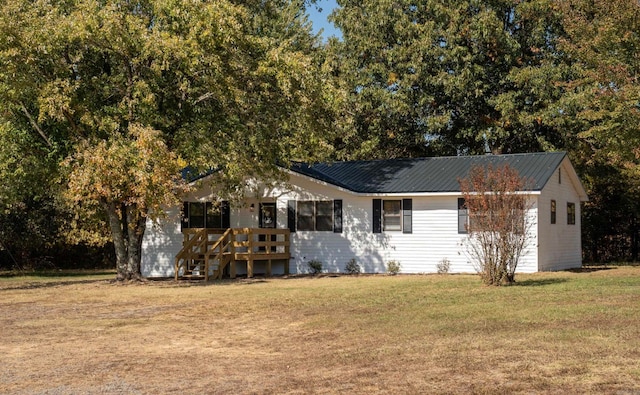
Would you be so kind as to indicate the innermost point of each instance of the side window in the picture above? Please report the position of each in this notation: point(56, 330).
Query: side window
point(553, 211)
point(392, 215)
point(463, 217)
point(571, 213)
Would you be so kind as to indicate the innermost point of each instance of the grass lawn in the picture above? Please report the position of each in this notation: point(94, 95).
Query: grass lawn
point(552, 333)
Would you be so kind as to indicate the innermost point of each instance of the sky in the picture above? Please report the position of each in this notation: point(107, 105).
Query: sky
point(319, 19)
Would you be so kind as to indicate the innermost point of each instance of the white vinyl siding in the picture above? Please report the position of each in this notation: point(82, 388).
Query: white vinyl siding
point(560, 245)
point(434, 235)
point(160, 244)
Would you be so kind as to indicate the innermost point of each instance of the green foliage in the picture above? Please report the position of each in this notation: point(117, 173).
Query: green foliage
point(610, 228)
point(393, 267)
point(123, 94)
point(600, 100)
point(315, 266)
point(444, 78)
point(352, 267)
point(599, 108)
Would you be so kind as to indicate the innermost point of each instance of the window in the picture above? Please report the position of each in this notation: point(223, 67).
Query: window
point(463, 217)
point(205, 215)
point(305, 215)
point(214, 216)
point(497, 220)
point(196, 215)
point(392, 215)
point(553, 211)
point(571, 213)
point(315, 215)
point(324, 215)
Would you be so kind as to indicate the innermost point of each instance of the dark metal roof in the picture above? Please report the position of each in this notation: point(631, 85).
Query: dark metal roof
point(437, 174)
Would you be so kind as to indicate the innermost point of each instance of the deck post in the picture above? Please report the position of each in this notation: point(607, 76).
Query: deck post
point(232, 263)
point(287, 236)
point(250, 268)
point(250, 259)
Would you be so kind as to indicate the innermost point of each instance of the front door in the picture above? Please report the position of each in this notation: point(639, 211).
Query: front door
point(267, 220)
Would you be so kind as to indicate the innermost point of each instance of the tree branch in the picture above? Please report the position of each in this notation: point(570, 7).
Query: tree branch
point(35, 125)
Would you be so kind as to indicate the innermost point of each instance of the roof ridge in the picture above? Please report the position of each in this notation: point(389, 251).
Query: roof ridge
point(329, 163)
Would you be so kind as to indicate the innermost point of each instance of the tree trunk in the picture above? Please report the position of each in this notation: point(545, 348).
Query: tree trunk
point(127, 226)
point(136, 223)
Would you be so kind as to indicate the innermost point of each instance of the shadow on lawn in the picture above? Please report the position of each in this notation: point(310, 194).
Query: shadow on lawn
point(590, 269)
point(540, 282)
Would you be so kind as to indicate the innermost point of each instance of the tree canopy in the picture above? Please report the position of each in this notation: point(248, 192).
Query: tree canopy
point(123, 94)
point(439, 77)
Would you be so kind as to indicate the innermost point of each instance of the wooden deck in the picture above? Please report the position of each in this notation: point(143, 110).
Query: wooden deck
point(207, 252)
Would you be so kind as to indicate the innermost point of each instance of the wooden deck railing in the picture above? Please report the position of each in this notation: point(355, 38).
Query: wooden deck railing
point(207, 249)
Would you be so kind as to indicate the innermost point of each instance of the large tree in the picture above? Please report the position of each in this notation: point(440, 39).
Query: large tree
point(600, 105)
point(443, 77)
point(122, 94)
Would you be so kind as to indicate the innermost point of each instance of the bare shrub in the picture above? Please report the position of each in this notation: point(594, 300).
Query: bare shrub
point(443, 266)
point(498, 222)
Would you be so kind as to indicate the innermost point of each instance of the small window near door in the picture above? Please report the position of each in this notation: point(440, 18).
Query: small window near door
point(267, 215)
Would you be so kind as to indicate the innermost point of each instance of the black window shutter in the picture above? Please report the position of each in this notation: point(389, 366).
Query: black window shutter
point(225, 213)
point(291, 215)
point(377, 216)
point(463, 216)
point(407, 207)
point(185, 216)
point(337, 216)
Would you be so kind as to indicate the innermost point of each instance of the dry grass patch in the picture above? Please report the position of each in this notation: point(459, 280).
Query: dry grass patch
point(554, 332)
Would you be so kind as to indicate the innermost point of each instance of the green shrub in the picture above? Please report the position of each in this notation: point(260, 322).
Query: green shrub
point(353, 267)
point(393, 267)
point(315, 266)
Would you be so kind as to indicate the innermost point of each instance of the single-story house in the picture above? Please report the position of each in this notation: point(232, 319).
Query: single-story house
point(404, 210)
